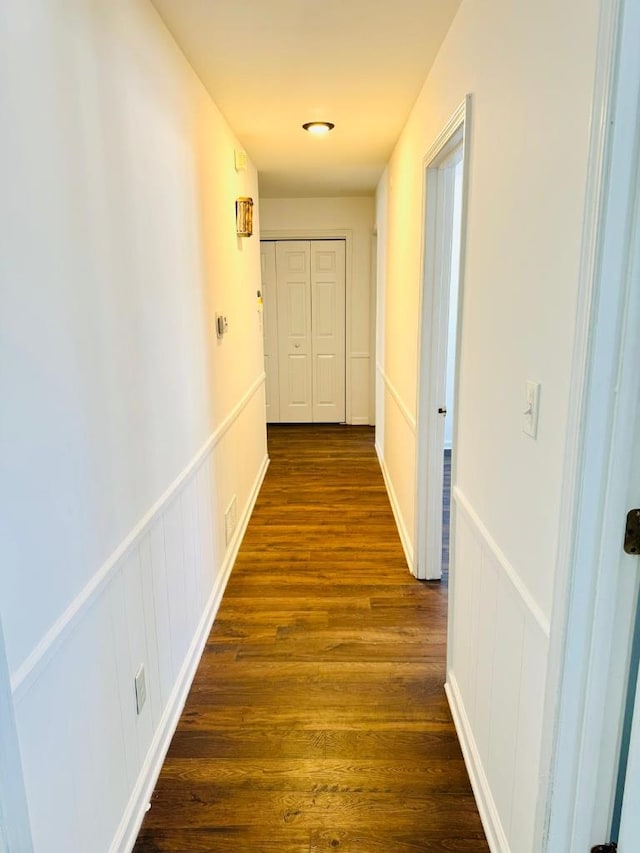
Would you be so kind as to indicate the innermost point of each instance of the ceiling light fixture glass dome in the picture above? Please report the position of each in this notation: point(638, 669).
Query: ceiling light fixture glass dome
point(318, 128)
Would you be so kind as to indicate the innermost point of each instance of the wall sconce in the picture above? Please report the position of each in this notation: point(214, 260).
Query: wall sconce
point(244, 216)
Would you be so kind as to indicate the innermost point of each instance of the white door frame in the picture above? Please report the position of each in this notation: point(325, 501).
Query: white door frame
point(15, 829)
point(585, 677)
point(269, 321)
point(432, 346)
point(345, 234)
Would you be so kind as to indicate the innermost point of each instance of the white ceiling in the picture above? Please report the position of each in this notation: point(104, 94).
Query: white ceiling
point(271, 65)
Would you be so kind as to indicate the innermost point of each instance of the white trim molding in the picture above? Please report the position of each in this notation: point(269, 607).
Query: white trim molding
point(38, 658)
point(395, 394)
point(154, 605)
point(510, 573)
point(456, 121)
point(345, 234)
point(134, 815)
point(578, 765)
point(489, 816)
point(451, 144)
point(405, 539)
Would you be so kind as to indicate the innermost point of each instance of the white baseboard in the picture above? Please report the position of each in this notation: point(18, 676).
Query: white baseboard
point(407, 545)
point(129, 828)
point(491, 823)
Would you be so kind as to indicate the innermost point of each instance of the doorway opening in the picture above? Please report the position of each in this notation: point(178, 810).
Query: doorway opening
point(442, 259)
point(450, 364)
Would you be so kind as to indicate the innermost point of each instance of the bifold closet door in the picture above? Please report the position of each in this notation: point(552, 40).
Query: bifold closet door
point(303, 285)
point(328, 330)
point(293, 276)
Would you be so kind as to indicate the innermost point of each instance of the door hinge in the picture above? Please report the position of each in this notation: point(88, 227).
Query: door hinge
point(605, 848)
point(632, 532)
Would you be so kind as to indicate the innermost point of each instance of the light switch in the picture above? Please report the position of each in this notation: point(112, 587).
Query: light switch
point(531, 408)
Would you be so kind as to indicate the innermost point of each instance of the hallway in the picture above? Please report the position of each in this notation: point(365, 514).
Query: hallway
point(317, 719)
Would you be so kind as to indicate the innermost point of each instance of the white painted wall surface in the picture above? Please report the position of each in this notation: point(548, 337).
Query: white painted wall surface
point(126, 427)
point(309, 216)
point(381, 307)
point(530, 70)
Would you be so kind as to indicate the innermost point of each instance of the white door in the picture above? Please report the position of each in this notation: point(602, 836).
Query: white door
point(629, 837)
point(628, 795)
point(293, 273)
point(304, 286)
point(270, 330)
point(328, 331)
point(599, 587)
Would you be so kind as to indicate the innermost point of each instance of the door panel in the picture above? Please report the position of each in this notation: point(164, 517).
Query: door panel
point(626, 811)
point(304, 330)
point(630, 825)
point(296, 373)
point(293, 260)
point(295, 318)
point(324, 319)
point(270, 330)
point(328, 310)
point(325, 380)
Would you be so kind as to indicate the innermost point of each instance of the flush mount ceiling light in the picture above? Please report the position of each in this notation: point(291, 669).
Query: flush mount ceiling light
point(318, 128)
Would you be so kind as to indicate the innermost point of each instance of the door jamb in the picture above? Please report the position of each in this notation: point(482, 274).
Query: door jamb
point(345, 234)
point(455, 133)
point(572, 813)
point(15, 828)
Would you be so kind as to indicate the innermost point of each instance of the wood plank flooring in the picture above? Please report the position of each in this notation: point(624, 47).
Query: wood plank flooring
point(317, 720)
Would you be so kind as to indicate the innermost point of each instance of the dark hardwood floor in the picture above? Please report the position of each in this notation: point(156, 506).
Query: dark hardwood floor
point(317, 720)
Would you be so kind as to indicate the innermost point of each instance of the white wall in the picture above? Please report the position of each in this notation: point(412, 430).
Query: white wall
point(126, 426)
point(292, 217)
point(382, 200)
point(530, 71)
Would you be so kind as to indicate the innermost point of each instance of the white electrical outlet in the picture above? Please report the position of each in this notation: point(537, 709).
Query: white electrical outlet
point(531, 408)
point(141, 689)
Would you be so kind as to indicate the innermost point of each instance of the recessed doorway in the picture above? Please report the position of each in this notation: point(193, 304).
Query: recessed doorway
point(303, 287)
point(439, 346)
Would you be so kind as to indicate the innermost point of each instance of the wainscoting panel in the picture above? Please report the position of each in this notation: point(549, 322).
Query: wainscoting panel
point(495, 681)
point(82, 740)
point(152, 611)
point(159, 607)
point(360, 385)
point(395, 446)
